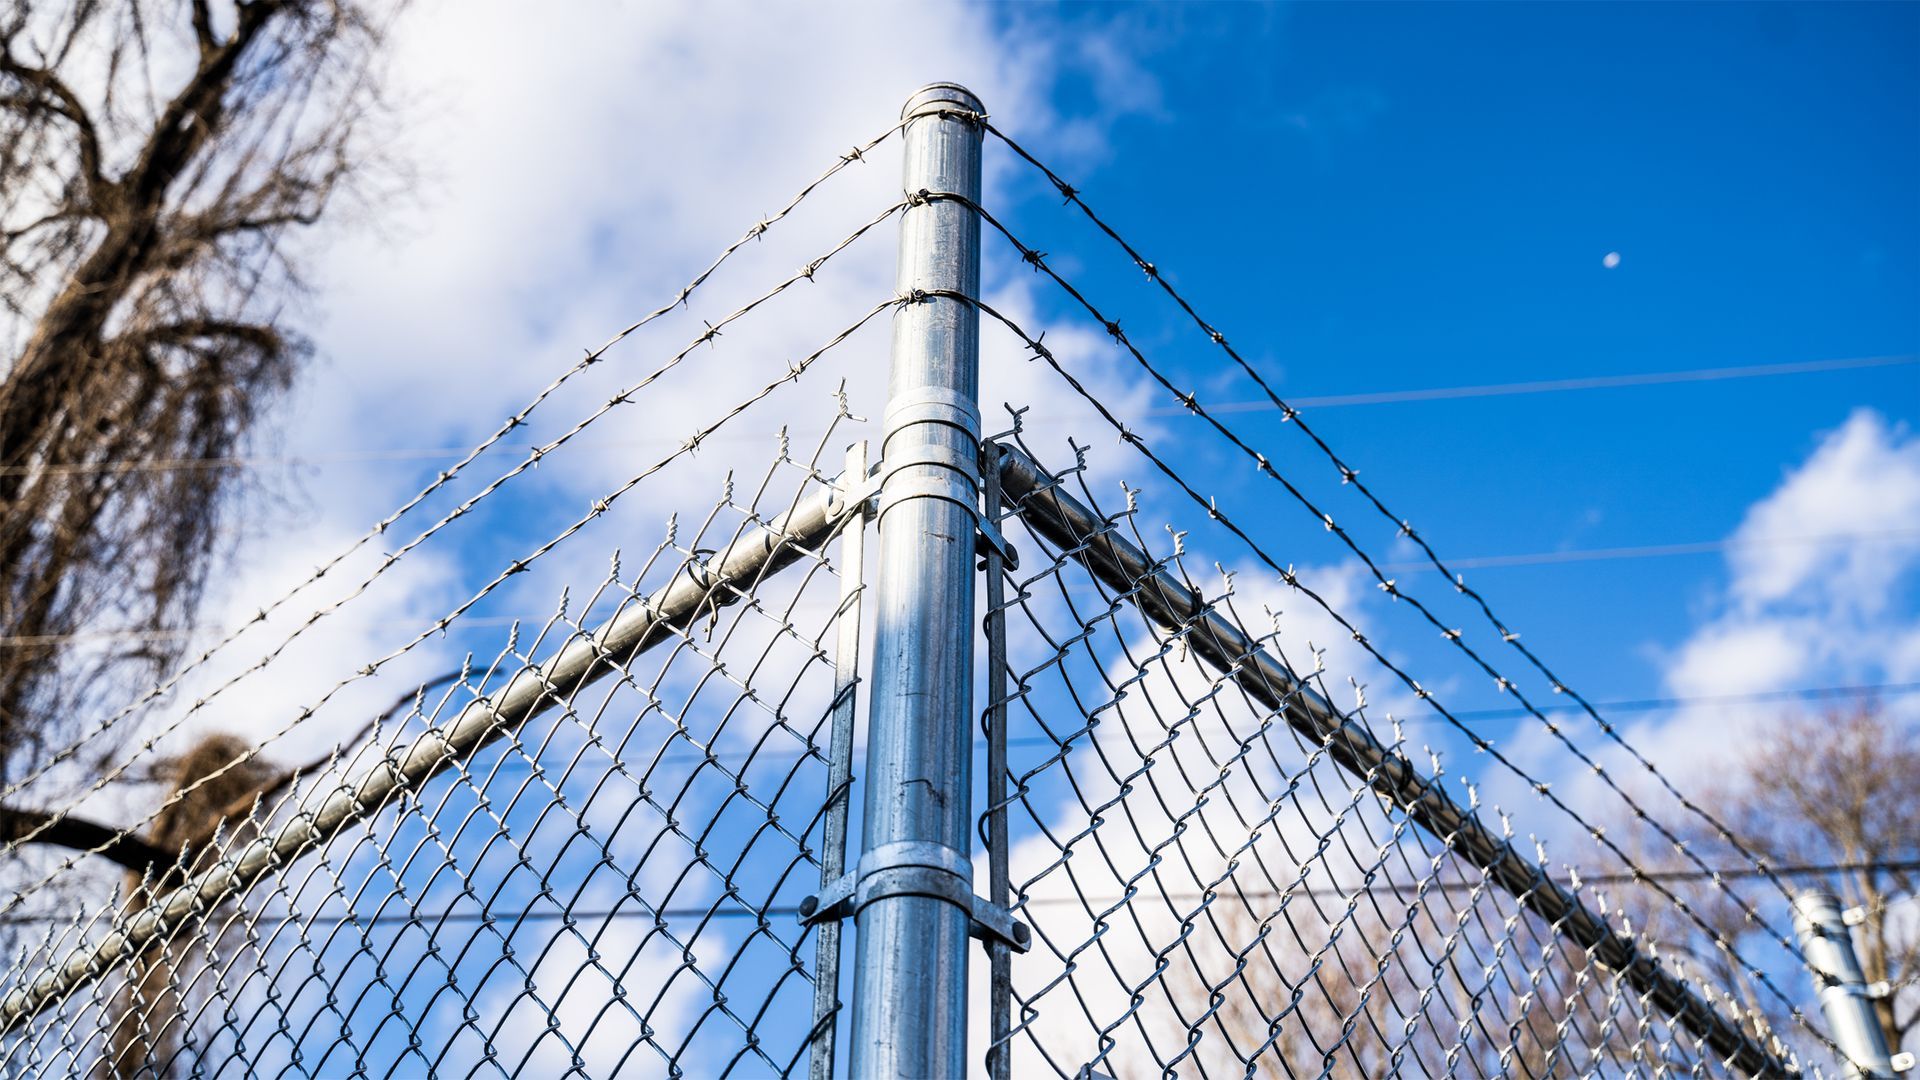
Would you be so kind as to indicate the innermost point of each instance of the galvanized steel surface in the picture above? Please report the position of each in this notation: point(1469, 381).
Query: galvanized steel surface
point(910, 1001)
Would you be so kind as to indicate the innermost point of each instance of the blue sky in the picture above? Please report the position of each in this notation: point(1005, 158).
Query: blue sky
point(1394, 197)
point(1364, 198)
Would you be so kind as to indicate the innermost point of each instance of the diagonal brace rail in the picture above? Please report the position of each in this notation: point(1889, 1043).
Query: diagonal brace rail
point(1067, 523)
point(694, 592)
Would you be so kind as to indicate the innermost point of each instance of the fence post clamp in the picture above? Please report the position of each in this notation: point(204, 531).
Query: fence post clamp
point(916, 868)
point(991, 539)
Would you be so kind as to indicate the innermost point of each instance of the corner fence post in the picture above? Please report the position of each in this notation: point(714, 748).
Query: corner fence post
point(915, 879)
point(1845, 997)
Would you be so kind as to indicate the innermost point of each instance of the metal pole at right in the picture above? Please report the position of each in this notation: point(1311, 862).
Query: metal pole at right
point(913, 903)
point(1845, 997)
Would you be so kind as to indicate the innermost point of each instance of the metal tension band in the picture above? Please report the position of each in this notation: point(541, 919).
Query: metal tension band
point(853, 495)
point(936, 405)
point(916, 868)
point(930, 405)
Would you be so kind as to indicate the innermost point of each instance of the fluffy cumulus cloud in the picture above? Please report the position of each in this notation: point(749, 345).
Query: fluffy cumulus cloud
point(1819, 591)
point(1819, 574)
point(567, 177)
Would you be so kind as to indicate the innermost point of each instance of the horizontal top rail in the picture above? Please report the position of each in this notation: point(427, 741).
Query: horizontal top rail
point(695, 591)
point(1065, 522)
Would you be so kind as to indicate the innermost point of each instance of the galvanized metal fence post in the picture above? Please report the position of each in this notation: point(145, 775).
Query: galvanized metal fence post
point(910, 978)
point(1845, 997)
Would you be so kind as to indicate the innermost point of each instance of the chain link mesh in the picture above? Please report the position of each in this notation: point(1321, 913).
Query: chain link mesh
point(605, 885)
point(1214, 891)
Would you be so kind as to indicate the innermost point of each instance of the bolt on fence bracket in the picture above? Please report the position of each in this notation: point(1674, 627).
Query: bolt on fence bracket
point(915, 868)
point(854, 495)
point(992, 539)
point(987, 537)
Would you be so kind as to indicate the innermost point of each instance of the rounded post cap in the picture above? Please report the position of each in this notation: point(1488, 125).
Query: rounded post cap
point(934, 97)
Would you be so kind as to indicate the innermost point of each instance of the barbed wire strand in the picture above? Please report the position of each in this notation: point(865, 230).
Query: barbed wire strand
point(1351, 476)
point(513, 422)
point(1480, 742)
point(1190, 401)
point(1388, 585)
point(530, 461)
point(598, 507)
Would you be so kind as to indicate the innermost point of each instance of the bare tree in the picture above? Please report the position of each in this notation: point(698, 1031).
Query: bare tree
point(154, 155)
point(1834, 798)
point(1843, 789)
point(153, 1009)
point(1453, 979)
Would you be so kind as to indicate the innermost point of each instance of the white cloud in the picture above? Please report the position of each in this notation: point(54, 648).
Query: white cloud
point(1863, 482)
point(576, 173)
point(1826, 611)
point(1818, 594)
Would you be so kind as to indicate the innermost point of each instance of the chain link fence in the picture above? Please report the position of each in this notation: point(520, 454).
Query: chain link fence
point(1227, 875)
point(618, 843)
point(581, 856)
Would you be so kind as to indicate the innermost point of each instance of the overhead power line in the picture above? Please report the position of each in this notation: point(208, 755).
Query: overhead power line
point(1804, 693)
point(1332, 401)
point(1551, 386)
point(1652, 551)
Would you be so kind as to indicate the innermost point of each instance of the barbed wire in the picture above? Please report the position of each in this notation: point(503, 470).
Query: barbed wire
point(530, 461)
point(1348, 476)
point(597, 508)
point(513, 422)
point(1263, 465)
point(1480, 742)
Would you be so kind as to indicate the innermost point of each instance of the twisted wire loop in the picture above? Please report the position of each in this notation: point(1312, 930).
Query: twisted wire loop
point(1226, 875)
point(580, 857)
